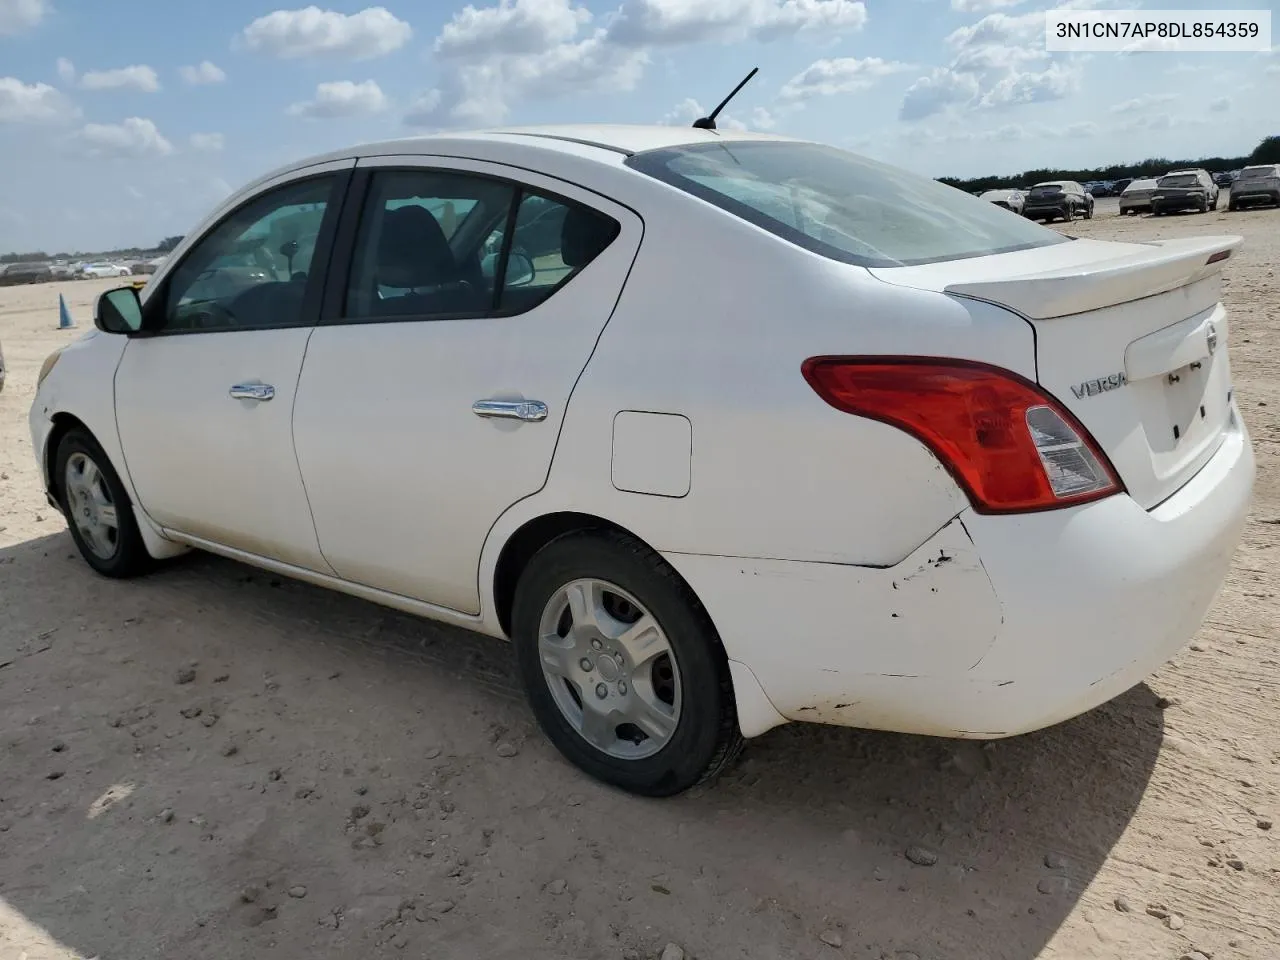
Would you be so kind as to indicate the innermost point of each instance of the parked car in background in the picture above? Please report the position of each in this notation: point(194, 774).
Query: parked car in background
point(1223, 178)
point(1058, 199)
point(986, 533)
point(61, 270)
point(143, 267)
point(1120, 186)
point(104, 270)
point(1013, 200)
point(1136, 197)
point(1185, 190)
point(1257, 185)
point(19, 273)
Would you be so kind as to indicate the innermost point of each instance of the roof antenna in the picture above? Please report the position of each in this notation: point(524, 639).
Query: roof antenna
point(709, 122)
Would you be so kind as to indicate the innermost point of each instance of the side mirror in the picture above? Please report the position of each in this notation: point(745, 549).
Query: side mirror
point(520, 270)
point(118, 311)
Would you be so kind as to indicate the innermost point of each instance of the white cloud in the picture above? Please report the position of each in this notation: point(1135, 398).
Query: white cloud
point(824, 78)
point(1151, 44)
point(1056, 83)
point(980, 6)
point(1144, 102)
point(1221, 105)
point(66, 70)
point(932, 94)
point(312, 32)
point(32, 103)
point(1081, 129)
point(513, 27)
point(763, 119)
point(342, 98)
point(1000, 29)
point(137, 77)
point(135, 137)
point(423, 110)
point(207, 142)
point(658, 22)
point(19, 15)
point(203, 72)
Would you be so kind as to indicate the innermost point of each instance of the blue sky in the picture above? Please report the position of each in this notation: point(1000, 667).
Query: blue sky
point(125, 122)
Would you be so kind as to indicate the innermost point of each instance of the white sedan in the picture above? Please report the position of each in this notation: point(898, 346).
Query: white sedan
point(722, 430)
point(99, 270)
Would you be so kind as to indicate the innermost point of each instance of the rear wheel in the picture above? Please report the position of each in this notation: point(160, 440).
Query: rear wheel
point(622, 666)
point(97, 508)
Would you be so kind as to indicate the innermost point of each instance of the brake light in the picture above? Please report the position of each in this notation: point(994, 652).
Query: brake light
point(1010, 446)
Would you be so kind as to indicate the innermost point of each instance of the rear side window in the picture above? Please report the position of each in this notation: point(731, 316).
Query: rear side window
point(843, 206)
point(437, 244)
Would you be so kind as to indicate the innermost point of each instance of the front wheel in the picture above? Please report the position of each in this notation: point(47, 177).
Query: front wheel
point(622, 666)
point(97, 508)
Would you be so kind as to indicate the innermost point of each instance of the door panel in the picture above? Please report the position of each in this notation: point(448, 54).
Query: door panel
point(204, 395)
point(211, 465)
point(405, 480)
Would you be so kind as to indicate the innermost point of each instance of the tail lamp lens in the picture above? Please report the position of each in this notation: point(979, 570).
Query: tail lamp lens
point(1010, 446)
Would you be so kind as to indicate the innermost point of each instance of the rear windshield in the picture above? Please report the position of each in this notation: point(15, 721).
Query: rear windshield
point(1257, 173)
point(1044, 189)
point(1182, 180)
point(843, 206)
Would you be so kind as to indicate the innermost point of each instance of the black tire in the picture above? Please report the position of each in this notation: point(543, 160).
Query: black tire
point(130, 557)
point(706, 737)
point(1088, 212)
point(1232, 206)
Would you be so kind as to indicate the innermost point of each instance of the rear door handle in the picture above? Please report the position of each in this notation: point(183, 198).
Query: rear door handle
point(528, 410)
point(252, 391)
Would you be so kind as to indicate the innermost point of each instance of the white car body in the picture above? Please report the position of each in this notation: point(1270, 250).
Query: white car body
point(1137, 195)
point(848, 574)
point(99, 270)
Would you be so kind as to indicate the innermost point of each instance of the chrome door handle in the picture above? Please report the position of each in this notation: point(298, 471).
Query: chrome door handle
point(529, 410)
point(252, 391)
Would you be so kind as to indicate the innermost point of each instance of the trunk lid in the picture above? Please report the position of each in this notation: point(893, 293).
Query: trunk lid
point(1131, 338)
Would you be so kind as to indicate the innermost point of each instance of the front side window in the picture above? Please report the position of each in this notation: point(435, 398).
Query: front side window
point(251, 271)
point(436, 244)
point(841, 205)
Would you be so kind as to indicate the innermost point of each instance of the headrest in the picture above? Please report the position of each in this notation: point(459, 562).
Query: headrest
point(584, 234)
point(413, 250)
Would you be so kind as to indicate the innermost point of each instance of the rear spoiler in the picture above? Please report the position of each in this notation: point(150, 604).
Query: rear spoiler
point(1156, 267)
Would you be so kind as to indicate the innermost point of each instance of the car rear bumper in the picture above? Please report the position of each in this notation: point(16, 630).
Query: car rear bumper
point(1188, 202)
point(999, 625)
point(1260, 196)
point(1057, 210)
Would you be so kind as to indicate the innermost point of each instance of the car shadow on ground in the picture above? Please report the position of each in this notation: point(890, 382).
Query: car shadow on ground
point(172, 798)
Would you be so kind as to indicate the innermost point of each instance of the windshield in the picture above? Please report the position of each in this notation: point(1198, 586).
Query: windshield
point(840, 205)
point(1257, 173)
point(1182, 180)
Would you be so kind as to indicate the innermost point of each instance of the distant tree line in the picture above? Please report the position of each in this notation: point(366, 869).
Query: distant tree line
point(124, 253)
point(1268, 151)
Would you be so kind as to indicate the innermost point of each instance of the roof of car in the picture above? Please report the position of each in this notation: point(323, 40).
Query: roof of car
point(612, 137)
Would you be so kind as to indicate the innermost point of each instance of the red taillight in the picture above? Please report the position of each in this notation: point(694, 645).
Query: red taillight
point(1010, 446)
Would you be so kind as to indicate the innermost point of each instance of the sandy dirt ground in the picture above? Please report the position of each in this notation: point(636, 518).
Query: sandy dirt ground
point(214, 763)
